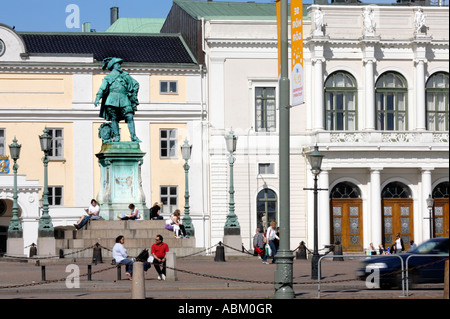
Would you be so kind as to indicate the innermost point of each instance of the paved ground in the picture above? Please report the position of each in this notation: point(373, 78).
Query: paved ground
point(198, 278)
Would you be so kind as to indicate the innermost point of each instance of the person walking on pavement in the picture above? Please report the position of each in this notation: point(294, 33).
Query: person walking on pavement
point(258, 243)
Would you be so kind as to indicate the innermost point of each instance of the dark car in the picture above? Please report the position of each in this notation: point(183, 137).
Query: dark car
point(426, 266)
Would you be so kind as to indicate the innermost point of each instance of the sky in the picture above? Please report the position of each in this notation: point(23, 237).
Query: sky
point(69, 15)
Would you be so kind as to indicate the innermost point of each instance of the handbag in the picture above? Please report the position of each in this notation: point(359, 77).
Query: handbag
point(169, 227)
point(268, 250)
point(143, 256)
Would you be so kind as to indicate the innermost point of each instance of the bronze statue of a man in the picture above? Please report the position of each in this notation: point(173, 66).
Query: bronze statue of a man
point(118, 93)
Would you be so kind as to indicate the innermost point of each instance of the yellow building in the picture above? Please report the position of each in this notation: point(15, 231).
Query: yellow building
point(49, 80)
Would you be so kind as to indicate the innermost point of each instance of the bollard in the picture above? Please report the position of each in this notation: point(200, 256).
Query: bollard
point(138, 282)
point(446, 281)
point(301, 253)
point(338, 251)
point(119, 272)
point(220, 253)
point(97, 254)
point(171, 263)
point(89, 276)
point(43, 273)
point(61, 253)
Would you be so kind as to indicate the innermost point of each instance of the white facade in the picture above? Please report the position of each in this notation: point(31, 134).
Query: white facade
point(242, 55)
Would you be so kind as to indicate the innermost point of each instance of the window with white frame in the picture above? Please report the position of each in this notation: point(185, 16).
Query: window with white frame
point(168, 87)
point(340, 102)
point(266, 168)
point(265, 109)
point(169, 198)
point(437, 102)
point(168, 143)
point(55, 195)
point(392, 105)
point(57, 147)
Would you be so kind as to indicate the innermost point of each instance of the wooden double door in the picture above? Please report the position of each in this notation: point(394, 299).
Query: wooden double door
point(397, 217)
point(347, 223)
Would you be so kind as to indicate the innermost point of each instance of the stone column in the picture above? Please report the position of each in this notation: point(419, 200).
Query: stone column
point(423, 209)
point(324, 209)
point(375, 207)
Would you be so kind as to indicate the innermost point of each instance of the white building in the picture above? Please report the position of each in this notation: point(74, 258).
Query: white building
point(376, 104)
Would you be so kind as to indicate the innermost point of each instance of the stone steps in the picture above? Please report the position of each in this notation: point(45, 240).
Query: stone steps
point(139, 234)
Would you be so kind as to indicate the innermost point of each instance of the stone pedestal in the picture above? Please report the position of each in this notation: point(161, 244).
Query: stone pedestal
point(15, 247)
point(121, 182)
point(234, 241)
point(46, 247)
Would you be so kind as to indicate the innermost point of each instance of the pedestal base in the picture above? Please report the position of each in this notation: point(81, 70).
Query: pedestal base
point(14, 247)
point(46, 247)
point(234, 241)
point(121, 182)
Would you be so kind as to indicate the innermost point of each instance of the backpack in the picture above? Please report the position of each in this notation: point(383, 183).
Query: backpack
point(143, 256)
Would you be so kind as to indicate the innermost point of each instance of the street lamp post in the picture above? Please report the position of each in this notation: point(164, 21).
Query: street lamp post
point(186, 151)
point(45, 222)
point(430, 204)
point(315, 159)
point(232, 226)
point(15, 228)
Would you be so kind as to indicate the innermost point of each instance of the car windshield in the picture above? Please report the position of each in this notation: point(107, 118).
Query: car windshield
point(432, 247)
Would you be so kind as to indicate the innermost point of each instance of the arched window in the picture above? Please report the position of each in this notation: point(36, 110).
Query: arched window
point(345, 190)
point(441, 190)
point(266, 204)
point(391, 102)
point(396, 190)
point(340, 102)
point(437, 102)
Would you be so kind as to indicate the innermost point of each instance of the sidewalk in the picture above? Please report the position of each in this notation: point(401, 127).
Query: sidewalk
point(198, 278)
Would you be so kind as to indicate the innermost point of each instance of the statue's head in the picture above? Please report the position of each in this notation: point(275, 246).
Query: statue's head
point(110, 62)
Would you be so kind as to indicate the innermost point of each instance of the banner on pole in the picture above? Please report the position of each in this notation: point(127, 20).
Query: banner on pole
point(297, 91)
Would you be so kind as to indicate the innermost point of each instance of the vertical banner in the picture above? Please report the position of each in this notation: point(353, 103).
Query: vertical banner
point(297, 52)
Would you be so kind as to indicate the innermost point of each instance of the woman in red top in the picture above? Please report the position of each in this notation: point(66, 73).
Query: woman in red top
point(158, 251)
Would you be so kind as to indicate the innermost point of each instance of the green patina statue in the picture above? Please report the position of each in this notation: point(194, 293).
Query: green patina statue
point(118, 93)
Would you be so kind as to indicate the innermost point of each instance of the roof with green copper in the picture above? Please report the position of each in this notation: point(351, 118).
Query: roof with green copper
point(136, 25)
point(221, 10)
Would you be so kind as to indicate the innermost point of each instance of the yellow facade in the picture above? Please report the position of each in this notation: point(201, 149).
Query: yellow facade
point(55, 91)
point(61, 171)
point(30, 91)
point(166, 172)
point(156, 96)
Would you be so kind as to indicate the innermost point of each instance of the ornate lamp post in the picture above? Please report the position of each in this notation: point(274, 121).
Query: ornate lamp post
point(45, 222)
point(15, 228)
point(430, 204)
point(232, 226)
point(315, 159)
point(186, 151)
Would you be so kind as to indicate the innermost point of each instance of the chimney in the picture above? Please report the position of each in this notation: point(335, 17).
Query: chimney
point(114, 14)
